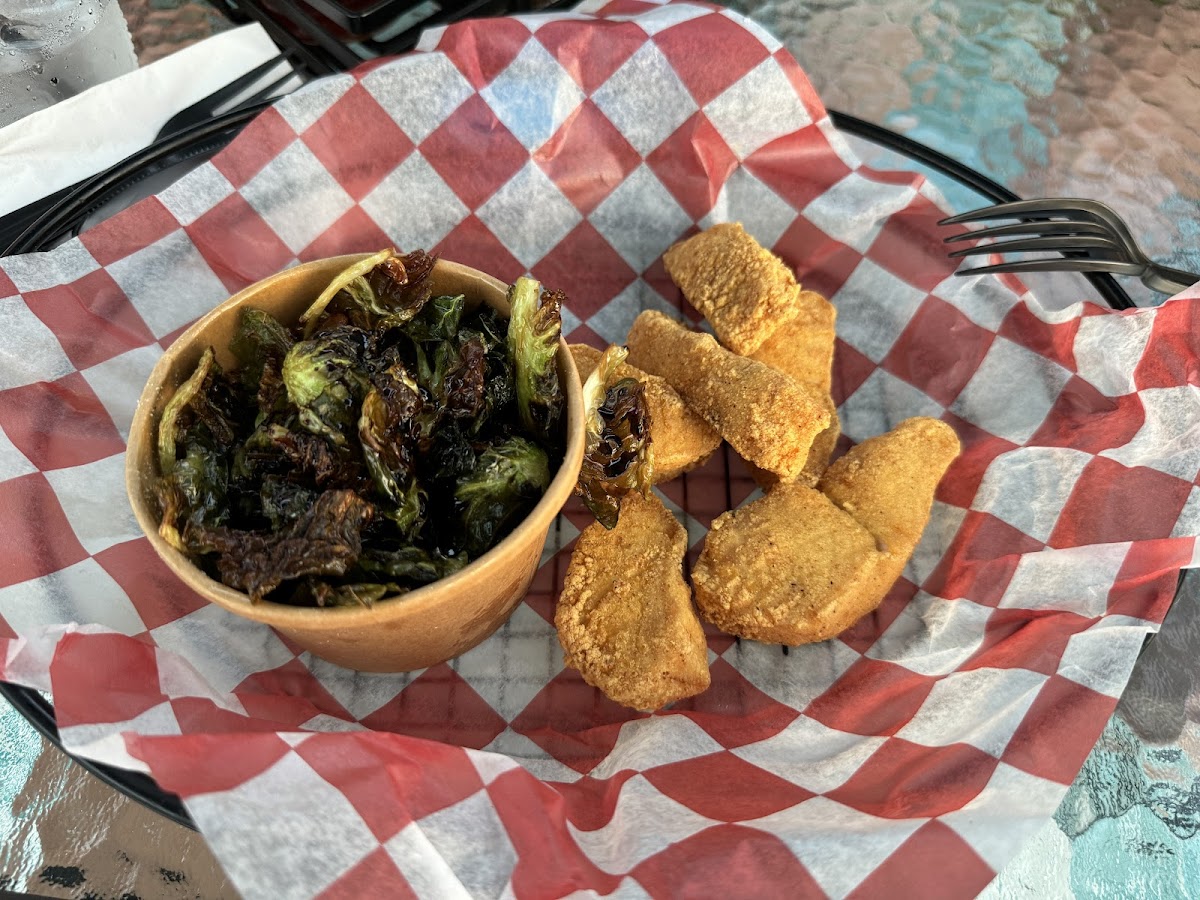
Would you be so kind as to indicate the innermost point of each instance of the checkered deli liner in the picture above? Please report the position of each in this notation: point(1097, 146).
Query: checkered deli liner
point(910, 757)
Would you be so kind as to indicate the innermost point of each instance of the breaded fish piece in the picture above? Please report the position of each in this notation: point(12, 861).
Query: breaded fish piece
point(802, 565)
point(744, 290)
point(681, 438)
point(789, 568)
point(769, 418)
point(887, 482)
point(625, 617)
point(822, 448)
point(802, 345)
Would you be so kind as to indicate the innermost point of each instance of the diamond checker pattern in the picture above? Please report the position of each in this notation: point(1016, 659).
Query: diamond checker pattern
point(852, 760)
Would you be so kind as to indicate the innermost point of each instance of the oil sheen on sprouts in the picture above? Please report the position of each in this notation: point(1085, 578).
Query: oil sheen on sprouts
point(379, 444)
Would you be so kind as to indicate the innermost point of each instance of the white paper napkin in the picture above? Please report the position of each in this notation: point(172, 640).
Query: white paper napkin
point(85, 134)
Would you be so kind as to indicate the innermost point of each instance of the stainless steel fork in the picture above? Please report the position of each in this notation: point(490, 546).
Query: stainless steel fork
point(1089, 234)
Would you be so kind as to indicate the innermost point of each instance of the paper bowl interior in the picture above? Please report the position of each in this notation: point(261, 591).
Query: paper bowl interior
point(415, 630)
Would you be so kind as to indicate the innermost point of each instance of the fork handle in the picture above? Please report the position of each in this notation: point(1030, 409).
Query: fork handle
point(1167, 280)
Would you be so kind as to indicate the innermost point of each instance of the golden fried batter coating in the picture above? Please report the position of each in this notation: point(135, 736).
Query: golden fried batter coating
point(789, 568)
point(681, 438)
point(887, 482)
point(802, 565)
point(802, 346)
point(818, 455)
point(625, 618)
point(742, 289)
point(769, 418)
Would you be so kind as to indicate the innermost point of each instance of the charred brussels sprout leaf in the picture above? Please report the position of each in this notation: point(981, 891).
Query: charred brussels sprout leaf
point(464, 387)
point(316, 592)
point(283, 502)
point(191, 391)
point(508, 479)
point(311, 317)
point(259, 340)
point(326, 540)
point(617, 454)
point(533, 331)
point(325, 381)
point(379, 292)
point(451, 454)
point(195, 433)
point(438, 320)
point(411, 564)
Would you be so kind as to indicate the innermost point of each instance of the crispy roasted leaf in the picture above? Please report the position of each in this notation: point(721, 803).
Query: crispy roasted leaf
point(271, 393)
point(401, 287)
point(312, 316)
point(202, 475)
point(618, 454)
point(283, 501)
point(170, 500)
point(186, 394)
point(534, 326)
point(259, 339)
point(389, 292)
point(463, 390)
point(326, 381)
point(507, 481)
point(408, 515)
point(450, 456)
point(383, 430)
point(326, 540)
point(394, 426)
point(438, 320)
point(411, 564)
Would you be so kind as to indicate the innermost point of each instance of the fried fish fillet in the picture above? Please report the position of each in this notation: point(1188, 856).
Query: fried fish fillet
point(802, 346)
point(744, 290)
point(789, 568)
point(801, 565)
point(769, 418)
point(802, 343)
point(822, 448)
point(625, 617)
point(887, 482)
point(681, 438)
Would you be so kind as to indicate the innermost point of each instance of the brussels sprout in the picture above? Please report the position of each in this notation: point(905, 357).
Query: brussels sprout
point(617, 455)
point(259, 339)
point(411, 564)
point(534, 327)
point(381, 291)
point(438, 320)
point(325, 381)
point(508, 479)
point(326, 540)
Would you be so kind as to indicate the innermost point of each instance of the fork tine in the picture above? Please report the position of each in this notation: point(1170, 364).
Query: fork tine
point(1020, 209)
point(1058, 265)
point(1062, 243)
point(1046, 227)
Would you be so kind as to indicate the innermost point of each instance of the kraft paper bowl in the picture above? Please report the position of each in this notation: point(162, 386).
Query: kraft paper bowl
point(426, 626)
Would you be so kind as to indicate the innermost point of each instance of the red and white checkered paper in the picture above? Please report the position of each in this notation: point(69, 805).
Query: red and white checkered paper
point(910, 757)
